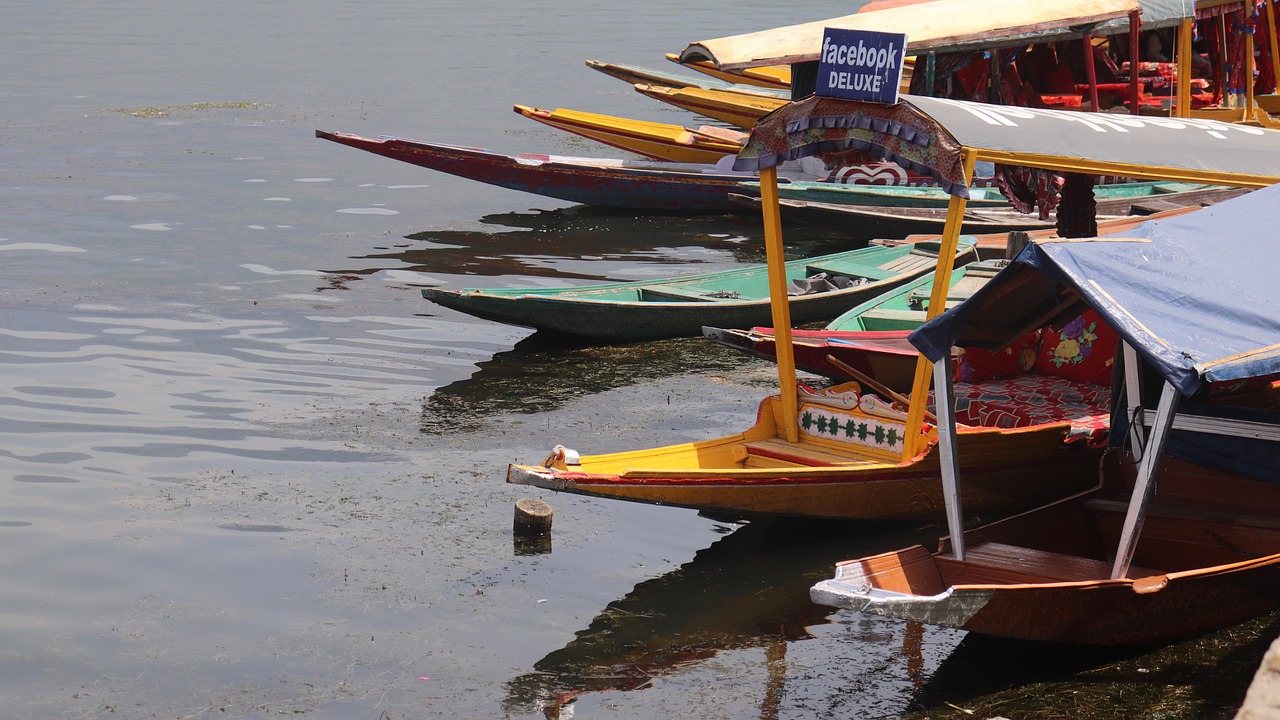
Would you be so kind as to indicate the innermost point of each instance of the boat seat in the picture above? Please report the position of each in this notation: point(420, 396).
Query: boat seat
point(675, 293)
point(873, 273)
point(993, 562)
point(798, 454)
point(1188, 513)
point(908, 316)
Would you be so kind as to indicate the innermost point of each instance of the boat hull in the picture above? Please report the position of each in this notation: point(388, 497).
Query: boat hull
point(886, 356)
point(681, 307)
point(580, 180)
point(1225, 570)
point(1005, 471)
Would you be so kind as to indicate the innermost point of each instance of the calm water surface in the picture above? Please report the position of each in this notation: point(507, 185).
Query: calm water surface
point(246, 471)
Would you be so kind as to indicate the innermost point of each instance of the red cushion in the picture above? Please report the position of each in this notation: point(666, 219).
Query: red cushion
point(1083, 350)
point(975, 365)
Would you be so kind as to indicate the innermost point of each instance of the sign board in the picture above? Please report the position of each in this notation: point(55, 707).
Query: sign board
point(861, 64)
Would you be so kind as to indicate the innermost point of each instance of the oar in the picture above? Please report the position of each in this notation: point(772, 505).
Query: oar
point(876, 385)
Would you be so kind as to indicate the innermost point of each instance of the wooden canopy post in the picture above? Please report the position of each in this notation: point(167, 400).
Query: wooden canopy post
point(937, 304)
point(1091, 72)
point(1274, 44)
point(931, 72)
point(778, 302)
point(1249, 111)
point(1135, 56)
point(1142, 487)
point(1183, 46)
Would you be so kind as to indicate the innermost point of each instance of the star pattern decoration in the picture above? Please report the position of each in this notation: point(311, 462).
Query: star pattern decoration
point(864, 430)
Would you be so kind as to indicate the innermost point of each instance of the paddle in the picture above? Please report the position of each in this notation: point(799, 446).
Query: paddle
point(876, 385)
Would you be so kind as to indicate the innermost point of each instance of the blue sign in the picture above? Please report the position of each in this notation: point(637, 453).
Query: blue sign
point(861, 64)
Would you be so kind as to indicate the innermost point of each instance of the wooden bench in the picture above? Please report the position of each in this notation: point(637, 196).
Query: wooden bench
point(871, 273)
point(678, 294)
point(1000, 564)
point(780, 451)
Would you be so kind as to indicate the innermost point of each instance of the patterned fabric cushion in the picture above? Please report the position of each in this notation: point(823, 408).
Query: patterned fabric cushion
point(976, 365)
point(1034, 399)
point(1083, 350)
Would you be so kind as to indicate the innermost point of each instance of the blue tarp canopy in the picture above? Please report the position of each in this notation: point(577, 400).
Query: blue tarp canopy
point(1197, 295)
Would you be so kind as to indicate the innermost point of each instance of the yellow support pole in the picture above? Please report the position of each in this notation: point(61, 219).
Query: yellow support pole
point(1249, 111)
point(1183, 45)
point(1274, 45)
point(778, 302)
point(937, 304)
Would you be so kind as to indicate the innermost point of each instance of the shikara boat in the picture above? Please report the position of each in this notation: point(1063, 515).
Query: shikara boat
point(624, 184)
point(659, 141)
point(778, 76)
point(847, 453)
point(1114, 198)
point(1113, 201)
point(738, 109)
point(868, 222)
point(636, 75)
point(918, 191)
point(681, 306)
point(871, 337)
point(885, 356)
point(1182, 534)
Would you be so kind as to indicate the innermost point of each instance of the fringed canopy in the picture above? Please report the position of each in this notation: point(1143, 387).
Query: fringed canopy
point(827, 127)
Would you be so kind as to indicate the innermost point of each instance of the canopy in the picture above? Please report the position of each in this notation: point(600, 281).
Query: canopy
point(941, 26)
point(924, 134)
point(1195, 296)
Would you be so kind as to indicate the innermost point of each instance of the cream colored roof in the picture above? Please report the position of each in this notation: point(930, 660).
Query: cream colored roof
point(929, 26)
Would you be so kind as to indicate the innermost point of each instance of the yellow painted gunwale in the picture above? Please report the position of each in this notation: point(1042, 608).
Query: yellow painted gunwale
point(661, 141)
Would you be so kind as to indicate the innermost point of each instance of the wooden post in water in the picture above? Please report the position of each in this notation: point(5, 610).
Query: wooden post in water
point(533, 518)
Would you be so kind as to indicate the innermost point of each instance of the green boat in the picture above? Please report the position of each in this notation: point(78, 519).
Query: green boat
point(903, 196)
point(904, 307)
point(680, 307)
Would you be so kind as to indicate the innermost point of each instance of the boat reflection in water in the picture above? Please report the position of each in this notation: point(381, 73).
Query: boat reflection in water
point(747, 590)
point(542, 373)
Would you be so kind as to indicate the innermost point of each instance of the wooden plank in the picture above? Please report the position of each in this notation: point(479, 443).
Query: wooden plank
point(801, 454)
point(1189, 513)
point(1022, 562)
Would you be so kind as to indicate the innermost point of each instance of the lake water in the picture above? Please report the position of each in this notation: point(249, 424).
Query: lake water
point(246, 471)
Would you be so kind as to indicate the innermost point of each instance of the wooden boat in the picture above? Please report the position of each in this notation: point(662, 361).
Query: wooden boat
point(1181, 536)
point(738, 109)
point(871, 337)
point(1115, 198)
point(895, 195)
point(659, 141)
point(778, 76)
point(634, 75)
point(828, 454)
point(681, 306)
point(948, 25)
point(624, 184)
point(886, 356)
point(1113, 201)
point(868, 222)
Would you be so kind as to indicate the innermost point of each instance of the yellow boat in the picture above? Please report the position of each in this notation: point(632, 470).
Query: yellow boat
point(738, 109)
point(850, 454)
point(659, 141)
point(777, 76)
